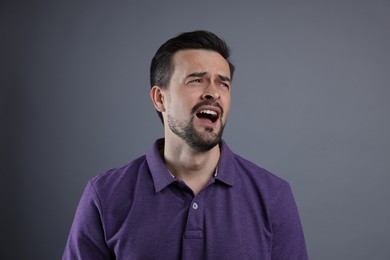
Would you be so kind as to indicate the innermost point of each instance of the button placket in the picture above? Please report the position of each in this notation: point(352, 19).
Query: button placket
point(194, 228)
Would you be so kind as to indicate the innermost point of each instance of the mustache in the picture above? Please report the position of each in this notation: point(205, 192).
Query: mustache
point(207, 103)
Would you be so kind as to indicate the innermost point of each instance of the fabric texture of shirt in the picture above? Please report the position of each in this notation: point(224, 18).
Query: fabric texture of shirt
point(140, 211)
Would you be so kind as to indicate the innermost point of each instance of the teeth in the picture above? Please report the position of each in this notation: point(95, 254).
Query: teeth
point(210, 112)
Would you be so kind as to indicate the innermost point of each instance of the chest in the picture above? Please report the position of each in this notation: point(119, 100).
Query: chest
point(219, 223)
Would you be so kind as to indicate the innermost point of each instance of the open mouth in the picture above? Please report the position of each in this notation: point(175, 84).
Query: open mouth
point(208, 114)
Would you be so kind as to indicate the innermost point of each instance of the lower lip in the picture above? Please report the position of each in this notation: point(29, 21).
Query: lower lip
point(207, 122)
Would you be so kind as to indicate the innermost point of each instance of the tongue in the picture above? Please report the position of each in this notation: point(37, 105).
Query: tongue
point(206, 116)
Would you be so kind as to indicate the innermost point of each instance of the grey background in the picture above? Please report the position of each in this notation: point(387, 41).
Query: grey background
point(310, 103)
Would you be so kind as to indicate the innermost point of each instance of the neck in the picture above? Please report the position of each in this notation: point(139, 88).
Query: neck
point(193, 167)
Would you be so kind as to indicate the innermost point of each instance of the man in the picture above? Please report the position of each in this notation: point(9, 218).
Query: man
point(190, 197)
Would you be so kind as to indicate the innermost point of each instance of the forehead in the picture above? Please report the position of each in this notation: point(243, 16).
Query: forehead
point(188, 61)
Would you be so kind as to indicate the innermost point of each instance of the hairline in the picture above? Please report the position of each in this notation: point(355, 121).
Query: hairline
point(172, 63)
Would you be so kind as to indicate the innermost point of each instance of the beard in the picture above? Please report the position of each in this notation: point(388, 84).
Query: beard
point(199, 141)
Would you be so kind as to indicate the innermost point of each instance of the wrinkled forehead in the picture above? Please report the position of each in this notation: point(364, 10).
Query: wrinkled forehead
point(190, 61)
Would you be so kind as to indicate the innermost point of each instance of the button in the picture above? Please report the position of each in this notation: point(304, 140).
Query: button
point(195, 205)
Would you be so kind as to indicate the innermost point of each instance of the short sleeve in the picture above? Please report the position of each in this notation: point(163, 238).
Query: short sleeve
point(86, 239)
point(288, 241)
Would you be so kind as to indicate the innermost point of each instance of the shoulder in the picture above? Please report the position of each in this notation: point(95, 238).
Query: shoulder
point(256, 173)
point(121, 172)
point(260, 181)
point(239, 168)
point(120, 180)
point(249, 177)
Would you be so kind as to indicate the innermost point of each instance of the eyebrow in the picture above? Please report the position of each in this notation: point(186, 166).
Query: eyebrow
point(203, 73)
point(197, 74)
point(224, 78)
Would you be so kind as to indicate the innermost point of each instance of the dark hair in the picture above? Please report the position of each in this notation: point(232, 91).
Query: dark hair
point(162, 67)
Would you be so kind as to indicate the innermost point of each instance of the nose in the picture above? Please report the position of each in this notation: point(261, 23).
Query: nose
point(210, 93)
point(208, 96)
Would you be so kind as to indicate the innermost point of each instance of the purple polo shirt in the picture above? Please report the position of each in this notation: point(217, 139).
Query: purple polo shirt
point(139, 211)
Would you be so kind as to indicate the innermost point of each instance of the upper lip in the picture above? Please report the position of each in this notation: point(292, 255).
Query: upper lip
point(214, 108)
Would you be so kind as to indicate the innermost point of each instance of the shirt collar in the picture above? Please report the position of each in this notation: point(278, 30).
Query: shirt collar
point(160, 174)
point(162, 178)
point(226, 170)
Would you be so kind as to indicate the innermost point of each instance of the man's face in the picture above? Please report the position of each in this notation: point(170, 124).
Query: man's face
point(198, 98)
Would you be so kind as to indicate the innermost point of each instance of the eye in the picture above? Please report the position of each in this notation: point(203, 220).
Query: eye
point(224, 84)
point(195, 81)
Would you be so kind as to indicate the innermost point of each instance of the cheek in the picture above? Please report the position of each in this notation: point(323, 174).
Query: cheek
point(186, 100)
point(226, 102)
point(179, 105)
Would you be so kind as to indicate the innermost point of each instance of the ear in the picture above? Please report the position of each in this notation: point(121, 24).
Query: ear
point(158, 97)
